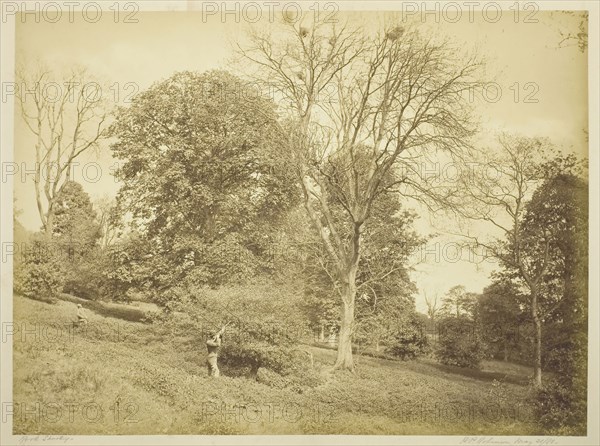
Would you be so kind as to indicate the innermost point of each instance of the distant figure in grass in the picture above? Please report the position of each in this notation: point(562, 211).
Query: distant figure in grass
point(213, 345)
point(81, 317)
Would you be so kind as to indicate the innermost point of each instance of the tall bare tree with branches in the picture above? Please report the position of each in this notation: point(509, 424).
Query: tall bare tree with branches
point(363, 110)
point(67, 116)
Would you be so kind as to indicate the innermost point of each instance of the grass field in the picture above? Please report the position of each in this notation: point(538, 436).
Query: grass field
point(120, 377)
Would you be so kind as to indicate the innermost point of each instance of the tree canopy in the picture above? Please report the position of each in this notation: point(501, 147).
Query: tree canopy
point(199, 173)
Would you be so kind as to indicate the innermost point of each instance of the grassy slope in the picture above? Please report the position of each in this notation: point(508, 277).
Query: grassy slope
point(62, 376)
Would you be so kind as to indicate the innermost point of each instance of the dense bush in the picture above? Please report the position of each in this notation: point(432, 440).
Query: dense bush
point(296, 382)
point(252, 354)
point(84, 276)
point(410, 339)
point(560, 408)
point(459, 342)
point(265, 326)
point(561, 404)
point(42, 276)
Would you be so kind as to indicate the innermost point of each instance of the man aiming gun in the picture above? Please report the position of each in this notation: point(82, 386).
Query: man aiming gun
point(213, 345)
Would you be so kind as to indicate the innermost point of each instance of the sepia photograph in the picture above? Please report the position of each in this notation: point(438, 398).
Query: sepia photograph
point(299, 222)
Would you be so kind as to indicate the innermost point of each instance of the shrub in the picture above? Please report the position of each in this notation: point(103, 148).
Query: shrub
point(561, 404)
point(265, 325)
point(410, 339)
point(42, 276)
point(253, 355)
point(559, 408)
point(256, 341)
point(84, 278)
point(294, 382)
point(459, 342)
point(270, 378)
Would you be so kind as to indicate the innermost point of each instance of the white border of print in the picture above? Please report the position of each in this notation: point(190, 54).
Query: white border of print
point(7, 57)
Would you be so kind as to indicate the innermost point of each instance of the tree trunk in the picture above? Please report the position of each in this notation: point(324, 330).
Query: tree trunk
point(344, 353)
point(537, 355)
point(49, 226)
point(348, 275)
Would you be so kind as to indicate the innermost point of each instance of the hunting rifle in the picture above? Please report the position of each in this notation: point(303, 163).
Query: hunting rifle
point(221, 331)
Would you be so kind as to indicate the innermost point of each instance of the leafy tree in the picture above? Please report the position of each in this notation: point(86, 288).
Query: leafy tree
point(560, 206)
point(458, 302)
point(553, 245)
point(75, 225)
point(386, 291)
point(556, 232)
point(502, 316)
point(320, 304)
point(398, 99)
point(132, 267)
point(384, 266)
point(77, 233)
point(199, 175)
point(386, 304)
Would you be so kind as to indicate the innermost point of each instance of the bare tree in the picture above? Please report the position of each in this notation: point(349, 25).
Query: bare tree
point(432, 305)
point(500, 200)
point(361, 109)
point(67, 117)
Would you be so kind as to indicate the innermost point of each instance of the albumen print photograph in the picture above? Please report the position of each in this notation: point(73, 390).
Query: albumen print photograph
point(294, 218)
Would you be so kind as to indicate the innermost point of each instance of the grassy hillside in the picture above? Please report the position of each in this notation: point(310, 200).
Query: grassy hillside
point(121, 377)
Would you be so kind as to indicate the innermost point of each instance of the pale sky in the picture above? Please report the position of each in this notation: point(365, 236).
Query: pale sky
point(524, 56)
